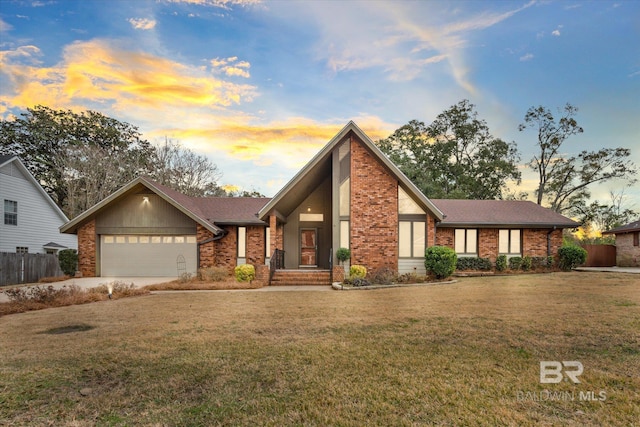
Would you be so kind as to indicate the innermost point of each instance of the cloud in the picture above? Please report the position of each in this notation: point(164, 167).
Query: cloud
point(555, 33)
point(97, 72)
point(5, 26)
point(224, 4)
point(231, 67)
point(397, 38)
point(142, 23)
point(526, 57)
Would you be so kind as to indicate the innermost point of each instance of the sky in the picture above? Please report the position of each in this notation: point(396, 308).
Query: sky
point(259, 87)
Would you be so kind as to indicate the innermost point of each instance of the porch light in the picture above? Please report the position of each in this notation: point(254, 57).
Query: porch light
point(308, 208)
point(145, 199)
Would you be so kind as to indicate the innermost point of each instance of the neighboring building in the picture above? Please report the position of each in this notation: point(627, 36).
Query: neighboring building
point(627, 244)
point(30, 218)
point(349, 195)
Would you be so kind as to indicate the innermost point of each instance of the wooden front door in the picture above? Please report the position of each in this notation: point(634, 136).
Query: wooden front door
point(308, 247)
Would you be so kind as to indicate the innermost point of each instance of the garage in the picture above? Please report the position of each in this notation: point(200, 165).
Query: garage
point(145, 255)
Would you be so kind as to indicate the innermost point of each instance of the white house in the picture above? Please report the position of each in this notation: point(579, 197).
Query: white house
point(30, 219)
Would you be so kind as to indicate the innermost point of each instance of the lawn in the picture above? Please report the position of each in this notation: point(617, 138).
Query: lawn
point(466, 353)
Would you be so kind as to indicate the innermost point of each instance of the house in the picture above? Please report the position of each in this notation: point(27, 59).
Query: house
point(349, 195)
point(31, 219)
point(627, 244)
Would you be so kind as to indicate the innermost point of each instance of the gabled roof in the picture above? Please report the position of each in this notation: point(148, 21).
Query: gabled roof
point(6, 159)
point(206, 211)
point(632, 227)
point(318, 164)
point(500, 213)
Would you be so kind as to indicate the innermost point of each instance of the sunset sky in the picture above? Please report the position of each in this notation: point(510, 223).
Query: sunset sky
point(260, 87)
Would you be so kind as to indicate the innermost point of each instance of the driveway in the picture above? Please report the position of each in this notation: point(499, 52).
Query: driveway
point(92, 282)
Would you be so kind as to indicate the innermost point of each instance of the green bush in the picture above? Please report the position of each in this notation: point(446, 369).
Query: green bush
point(526, 263)
point(440, 261)
point(245, 273)
point(571, 256)
point(501, 263)
point(515, 263)
point(343, 254)
point(473, 263)
point(68, 260)
point(356, 271)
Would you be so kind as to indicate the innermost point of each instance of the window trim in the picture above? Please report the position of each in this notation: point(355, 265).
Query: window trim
point(10, 217)
point(412, 229)
point(466, 241)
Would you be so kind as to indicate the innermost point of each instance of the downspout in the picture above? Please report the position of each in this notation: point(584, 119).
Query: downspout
point(209, 240)
point(549, 240)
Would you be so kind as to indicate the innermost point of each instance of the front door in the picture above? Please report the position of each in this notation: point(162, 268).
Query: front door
point(308, 247)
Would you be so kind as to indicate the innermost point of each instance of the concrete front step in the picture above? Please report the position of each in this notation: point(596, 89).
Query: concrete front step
point(300, 277)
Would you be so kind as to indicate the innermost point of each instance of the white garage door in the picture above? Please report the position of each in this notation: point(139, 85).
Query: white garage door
point(147, 255)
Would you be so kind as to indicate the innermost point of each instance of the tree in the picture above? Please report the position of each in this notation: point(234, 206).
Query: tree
point(455, 156)
point(185, 171)
point(564, 181)
point(604, 217)
point(43, 138)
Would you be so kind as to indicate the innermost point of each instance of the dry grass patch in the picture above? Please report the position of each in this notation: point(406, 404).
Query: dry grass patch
point(452, 355)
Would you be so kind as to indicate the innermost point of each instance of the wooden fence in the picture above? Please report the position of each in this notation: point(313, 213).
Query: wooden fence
point(27, 268)
point(600, 255)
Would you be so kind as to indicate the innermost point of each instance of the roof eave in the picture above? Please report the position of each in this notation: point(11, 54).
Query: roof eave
point(461, 224)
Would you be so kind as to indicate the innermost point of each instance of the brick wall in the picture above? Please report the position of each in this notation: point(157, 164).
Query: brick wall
point(445, 237)
point(277, 232)
point(227, 249)
point(431, 231)
point(255, 245)
point(87, 249)
point(534, 242)
point(207, 250)
point(374, 211)
point(488, 243)
point(627, 255)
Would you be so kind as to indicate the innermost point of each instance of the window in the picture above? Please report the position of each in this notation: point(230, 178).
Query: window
point(267, 242)
point(311, 217)
point(509, 242)
point(344, 234)
point(22, 250)
point(10, 212)
point(466, 241)
point(411, 239)
point(636, 238)
point(242, 242)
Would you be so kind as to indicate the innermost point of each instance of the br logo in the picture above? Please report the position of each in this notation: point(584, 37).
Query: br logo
point(552, 372)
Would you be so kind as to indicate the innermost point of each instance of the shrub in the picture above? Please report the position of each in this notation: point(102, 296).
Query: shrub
point(501, 263)
point(526, 263)
point(68, 260)
point(245, 273)
point(440, 261)
point(357, 271)
point(213, 274)
point(382, 276)
point(359, 281)
point(473, 263)
point(571, 256)
point(343, 254)
point(515, 263)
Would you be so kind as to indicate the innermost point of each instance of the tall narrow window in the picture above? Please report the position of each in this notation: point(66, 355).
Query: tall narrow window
point(636, 238)
point(509, 242)
point(267, 242)
point(411, 239)
point(344, 234)
point(10, 212)
point(466, 241)
point(242, 242)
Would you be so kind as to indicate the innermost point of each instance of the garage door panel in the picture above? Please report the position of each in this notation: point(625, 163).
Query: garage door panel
point(147, 255)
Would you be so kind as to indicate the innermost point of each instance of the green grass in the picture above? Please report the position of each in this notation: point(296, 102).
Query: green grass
point(455, 354)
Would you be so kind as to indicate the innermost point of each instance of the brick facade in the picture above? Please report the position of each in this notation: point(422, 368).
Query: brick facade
point(207, 250)
point(627, 255)
point(255, 245)
point(87, 249)
point(276, 229)
point(534, 241)
point(227, 249)
point(374, 211)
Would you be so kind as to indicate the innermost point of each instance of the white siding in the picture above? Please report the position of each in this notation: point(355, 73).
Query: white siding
point(38, 220)
point(407, 265)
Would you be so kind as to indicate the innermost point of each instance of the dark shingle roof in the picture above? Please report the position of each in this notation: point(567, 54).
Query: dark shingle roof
point(632, 227)
point(495, 213)
point(5, 158)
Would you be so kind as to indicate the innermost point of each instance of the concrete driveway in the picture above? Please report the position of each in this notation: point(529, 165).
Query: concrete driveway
point(92, 282)
point(632, 270)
